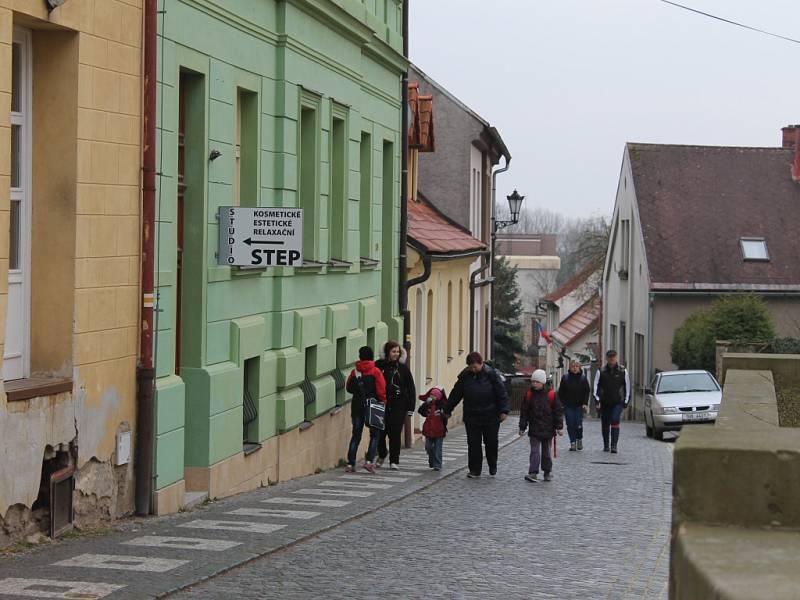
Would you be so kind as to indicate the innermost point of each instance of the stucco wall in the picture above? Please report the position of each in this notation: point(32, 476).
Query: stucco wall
point(273, 329)
point(445, 175)
point(670, 312)
point(627, 300)
point(84, 305)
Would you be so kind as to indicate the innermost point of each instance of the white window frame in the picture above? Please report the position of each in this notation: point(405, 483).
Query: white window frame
point(23, 195)
point(762, 241)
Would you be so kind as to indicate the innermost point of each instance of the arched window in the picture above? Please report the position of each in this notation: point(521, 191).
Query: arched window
point(429, 366)
point(461, 322)
point(450, 350)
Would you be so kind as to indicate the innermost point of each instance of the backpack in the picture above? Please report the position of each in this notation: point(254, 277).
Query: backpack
point(551, 396)
point(375, 411)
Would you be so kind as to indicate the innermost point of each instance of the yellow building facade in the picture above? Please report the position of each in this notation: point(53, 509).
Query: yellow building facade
point(70, 161)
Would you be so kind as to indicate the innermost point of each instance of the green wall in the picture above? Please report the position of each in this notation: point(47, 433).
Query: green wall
point(254, 66)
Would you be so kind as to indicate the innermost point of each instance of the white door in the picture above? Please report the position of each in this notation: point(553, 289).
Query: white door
point(15, 358)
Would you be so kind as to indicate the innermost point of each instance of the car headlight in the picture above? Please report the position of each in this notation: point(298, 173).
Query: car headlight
point(669, 410)
point(715, 407)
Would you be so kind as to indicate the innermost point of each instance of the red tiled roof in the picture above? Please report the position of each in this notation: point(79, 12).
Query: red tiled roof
point(435, 232)
point(579, 322)
point(572, 283)
point(696, 202)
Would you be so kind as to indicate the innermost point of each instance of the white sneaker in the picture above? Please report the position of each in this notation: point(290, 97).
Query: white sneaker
point(394, 467)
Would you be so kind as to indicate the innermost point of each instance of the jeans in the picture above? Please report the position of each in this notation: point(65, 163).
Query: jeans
point(355, 441)
point(574, 417)
point(540, 452)
point(395, 421)
point(433, 446)
point(609, 421)
point(489, 434)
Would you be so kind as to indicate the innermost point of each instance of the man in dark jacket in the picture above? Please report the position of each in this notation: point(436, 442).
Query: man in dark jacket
point(365, 381)
point(612, 393)
point(573, 393)
point(485, 407)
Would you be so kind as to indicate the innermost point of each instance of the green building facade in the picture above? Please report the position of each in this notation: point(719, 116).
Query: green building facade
point(271, 103)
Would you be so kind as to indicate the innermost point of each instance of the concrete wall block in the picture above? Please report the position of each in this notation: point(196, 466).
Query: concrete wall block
point(225, 434)
point(291, 367)
point(307, 327)
point(226, 391)
point(170, 404)
point(323, 359)
point(325, 388)
point(382, 335)
point(338, 321)
point(290, 409)
point(265, 425)
point(248, 338)
point(355, 339)
point(223, 84)
point(218, 348)
point(169, 458)
point(369, 313)
point(268, 374)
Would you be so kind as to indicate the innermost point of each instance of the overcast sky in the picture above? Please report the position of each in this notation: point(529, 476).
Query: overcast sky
point(568, 82)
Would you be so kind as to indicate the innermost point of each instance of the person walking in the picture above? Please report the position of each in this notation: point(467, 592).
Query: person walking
point(542, 415)
point(435, 426)
point(612, 393)
point(485, 407)
point(365, 383)
point(400, 399)
point(573, 393)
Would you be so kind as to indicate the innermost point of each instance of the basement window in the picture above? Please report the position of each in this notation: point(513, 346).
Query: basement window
point(754, 249)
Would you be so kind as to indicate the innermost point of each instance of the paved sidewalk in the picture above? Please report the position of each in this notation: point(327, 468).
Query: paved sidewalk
point(151, 558)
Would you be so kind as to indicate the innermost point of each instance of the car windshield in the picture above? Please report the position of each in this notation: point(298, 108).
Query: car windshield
point(688, 382)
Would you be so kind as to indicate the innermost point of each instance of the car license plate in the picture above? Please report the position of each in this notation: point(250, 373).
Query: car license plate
point(698, 416)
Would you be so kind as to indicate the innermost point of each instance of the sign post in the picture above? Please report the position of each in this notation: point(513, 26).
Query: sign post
point(260, 237)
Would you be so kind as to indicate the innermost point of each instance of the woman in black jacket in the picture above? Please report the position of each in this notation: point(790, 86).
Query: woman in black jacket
point(573, 392)
point(401, 397)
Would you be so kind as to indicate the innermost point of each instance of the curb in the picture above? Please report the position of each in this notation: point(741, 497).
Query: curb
point(319, 532)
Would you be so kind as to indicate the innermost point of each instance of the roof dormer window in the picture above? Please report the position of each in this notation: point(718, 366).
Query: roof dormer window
point(754, 249)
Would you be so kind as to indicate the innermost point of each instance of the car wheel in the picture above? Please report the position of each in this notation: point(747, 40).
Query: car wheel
point(658, 433)
point(647, 428)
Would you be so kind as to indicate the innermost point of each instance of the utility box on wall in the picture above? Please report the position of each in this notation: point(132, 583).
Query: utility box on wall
point(123, 448)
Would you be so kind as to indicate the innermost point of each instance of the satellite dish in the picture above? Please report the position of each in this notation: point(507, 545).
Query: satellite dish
point(53, 4)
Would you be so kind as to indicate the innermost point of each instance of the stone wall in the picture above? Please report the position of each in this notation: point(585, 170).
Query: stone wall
point(736, 519)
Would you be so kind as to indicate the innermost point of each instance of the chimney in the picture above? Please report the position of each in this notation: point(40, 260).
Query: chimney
point(790, 136)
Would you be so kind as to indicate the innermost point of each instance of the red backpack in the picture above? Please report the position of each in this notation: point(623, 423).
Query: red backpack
point(551, 396)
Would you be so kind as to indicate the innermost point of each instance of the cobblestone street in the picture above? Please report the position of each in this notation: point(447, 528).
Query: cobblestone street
point(600, 530)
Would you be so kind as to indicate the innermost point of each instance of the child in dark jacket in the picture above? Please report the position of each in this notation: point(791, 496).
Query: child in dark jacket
point(543, 417)
point(435, 426)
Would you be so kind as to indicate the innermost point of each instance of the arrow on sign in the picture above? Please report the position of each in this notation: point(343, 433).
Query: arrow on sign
point(251, 241)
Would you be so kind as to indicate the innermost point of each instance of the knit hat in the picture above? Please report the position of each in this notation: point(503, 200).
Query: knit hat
point(540, 376)
point(434, 393)
point(366, 353)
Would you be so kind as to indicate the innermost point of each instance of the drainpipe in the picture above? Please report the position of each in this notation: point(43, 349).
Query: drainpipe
point(486, 254)
point(145, 373)
point(403, 258)
point(495, 173)
point(403, 262)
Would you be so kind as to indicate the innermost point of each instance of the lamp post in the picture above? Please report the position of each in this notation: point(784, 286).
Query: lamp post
point(515, 206)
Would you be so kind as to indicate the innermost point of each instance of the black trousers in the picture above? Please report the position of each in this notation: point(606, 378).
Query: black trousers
point(487, 434)
point(395, 420)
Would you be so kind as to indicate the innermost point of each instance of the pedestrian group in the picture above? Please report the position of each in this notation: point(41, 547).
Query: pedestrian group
point(384, 395)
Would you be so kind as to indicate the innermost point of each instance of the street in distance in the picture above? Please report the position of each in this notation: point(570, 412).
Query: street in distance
point(260, 237)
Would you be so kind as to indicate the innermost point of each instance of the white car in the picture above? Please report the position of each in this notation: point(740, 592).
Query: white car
point(677, 398)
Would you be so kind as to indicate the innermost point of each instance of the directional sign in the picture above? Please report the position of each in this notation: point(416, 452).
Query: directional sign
point(260, 237)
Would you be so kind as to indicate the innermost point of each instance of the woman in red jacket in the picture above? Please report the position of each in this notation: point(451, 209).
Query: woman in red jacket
point(369, 383)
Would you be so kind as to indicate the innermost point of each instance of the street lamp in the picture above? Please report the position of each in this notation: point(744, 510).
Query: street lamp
point(515, 206)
